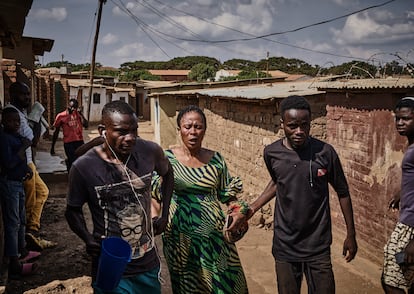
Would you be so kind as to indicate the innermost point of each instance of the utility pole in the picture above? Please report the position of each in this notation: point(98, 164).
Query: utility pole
point(267, 63)
point(95, 43)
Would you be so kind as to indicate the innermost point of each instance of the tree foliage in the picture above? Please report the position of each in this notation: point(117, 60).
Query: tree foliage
point(239, 64)
point(202, 68)
point(202, 72)
point(175, 63)
point(135, 75)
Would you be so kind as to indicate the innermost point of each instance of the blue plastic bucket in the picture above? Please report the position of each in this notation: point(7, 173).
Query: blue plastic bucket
point(115, 255)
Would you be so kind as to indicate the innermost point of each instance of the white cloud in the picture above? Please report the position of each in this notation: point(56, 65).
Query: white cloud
point(137, 51)
point(56, 13)
point(380, 28)
point(109, 39)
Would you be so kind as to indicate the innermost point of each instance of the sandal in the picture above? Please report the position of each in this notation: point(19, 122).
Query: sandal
point(33, 242)
point(31, 255)
point(46, 243)
point(27, 269)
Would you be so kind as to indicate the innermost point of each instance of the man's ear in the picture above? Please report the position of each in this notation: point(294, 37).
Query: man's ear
point(101, 127)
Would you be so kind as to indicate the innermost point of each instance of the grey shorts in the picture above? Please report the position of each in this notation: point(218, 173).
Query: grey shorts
point(393, 274)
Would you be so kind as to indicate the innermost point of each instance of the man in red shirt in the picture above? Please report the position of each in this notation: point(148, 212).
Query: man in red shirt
point(71, 121)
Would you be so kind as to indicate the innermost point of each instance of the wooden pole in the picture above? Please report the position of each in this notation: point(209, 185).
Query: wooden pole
point(95, 43)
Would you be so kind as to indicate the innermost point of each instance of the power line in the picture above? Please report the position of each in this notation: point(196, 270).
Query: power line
point(90, 35)
point(265, 37)
point(140, 24)
point(294, 30)
point(157, 32)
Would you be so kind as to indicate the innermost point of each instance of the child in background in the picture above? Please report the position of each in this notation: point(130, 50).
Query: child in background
point(14, 170)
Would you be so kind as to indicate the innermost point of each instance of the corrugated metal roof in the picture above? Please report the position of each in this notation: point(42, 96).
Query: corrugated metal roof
point(366, 84)
point(260, 92)
point(83, 83)
point(169, 72)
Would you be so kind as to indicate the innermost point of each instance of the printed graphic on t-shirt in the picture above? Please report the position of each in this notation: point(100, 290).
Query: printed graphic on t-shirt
point(322, 172)
point(126, 207)
point(73, 121)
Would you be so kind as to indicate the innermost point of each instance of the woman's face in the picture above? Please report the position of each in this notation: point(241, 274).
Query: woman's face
point(192, 129)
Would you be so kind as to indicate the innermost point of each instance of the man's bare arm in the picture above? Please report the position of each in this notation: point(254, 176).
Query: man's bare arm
point(268, 194)
point(54, 139)
point(350, 247)
point(76, 220)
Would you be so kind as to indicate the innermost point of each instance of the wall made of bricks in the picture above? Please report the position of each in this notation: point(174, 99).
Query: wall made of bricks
point(370, 151)
point(240, 130)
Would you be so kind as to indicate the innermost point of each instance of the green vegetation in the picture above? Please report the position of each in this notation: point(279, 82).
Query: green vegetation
point(202, 72)
point(203, 68)
point(135, 75)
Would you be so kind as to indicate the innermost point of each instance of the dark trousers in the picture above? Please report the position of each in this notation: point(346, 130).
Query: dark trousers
point(318, 273)
point(70, 152)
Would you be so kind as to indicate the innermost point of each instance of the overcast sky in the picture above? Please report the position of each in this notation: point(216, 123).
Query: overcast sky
point(159, 30)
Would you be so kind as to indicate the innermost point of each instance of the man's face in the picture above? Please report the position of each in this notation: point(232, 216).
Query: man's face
point(296, 125)
point(121, 132)
point(73, 105)
point(23, 97)
point(404, 121)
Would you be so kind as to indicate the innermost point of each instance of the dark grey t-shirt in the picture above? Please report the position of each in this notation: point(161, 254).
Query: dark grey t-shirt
point(407, 188)
point(120, 205)
point(302, 220)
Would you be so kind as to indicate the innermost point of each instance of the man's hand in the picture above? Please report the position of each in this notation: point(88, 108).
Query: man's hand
point(159, 224)
point(93, 248)
point(29, 174)
point(394, 204)
point(409, 253)
point(350, 248)
point(239, 219)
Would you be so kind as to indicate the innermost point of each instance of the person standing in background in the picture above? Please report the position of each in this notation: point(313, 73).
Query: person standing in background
point(36, 190)
point(398, 268)
point(71, 121)
point(14, 170)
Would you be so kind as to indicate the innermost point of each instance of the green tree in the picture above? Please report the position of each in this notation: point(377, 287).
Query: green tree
point(135, 75)
point(358, 69)
point(202, 72)
point(252, 74)
point(189, 62)
point(239, 64)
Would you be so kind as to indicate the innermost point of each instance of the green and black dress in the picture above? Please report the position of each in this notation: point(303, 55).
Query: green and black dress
point(198, 257)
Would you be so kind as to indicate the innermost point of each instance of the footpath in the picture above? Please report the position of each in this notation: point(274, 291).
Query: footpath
point(359, 276)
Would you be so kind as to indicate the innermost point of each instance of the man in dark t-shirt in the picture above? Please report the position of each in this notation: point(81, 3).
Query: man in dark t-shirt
point(114, 179)
point(301, 167)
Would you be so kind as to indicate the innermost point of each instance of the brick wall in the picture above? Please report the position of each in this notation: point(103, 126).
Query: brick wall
point(361, 129)
point(240, 130)
point(8, 68)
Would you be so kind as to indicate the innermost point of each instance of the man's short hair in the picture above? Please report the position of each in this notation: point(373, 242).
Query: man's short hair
point(294, 102)
point(73, 100)
point(405, 102)
point(15, 88)
point(9, 110)
point(117, 106)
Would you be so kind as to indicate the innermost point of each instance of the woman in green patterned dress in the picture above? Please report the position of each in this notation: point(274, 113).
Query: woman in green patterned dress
point(199, 258)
